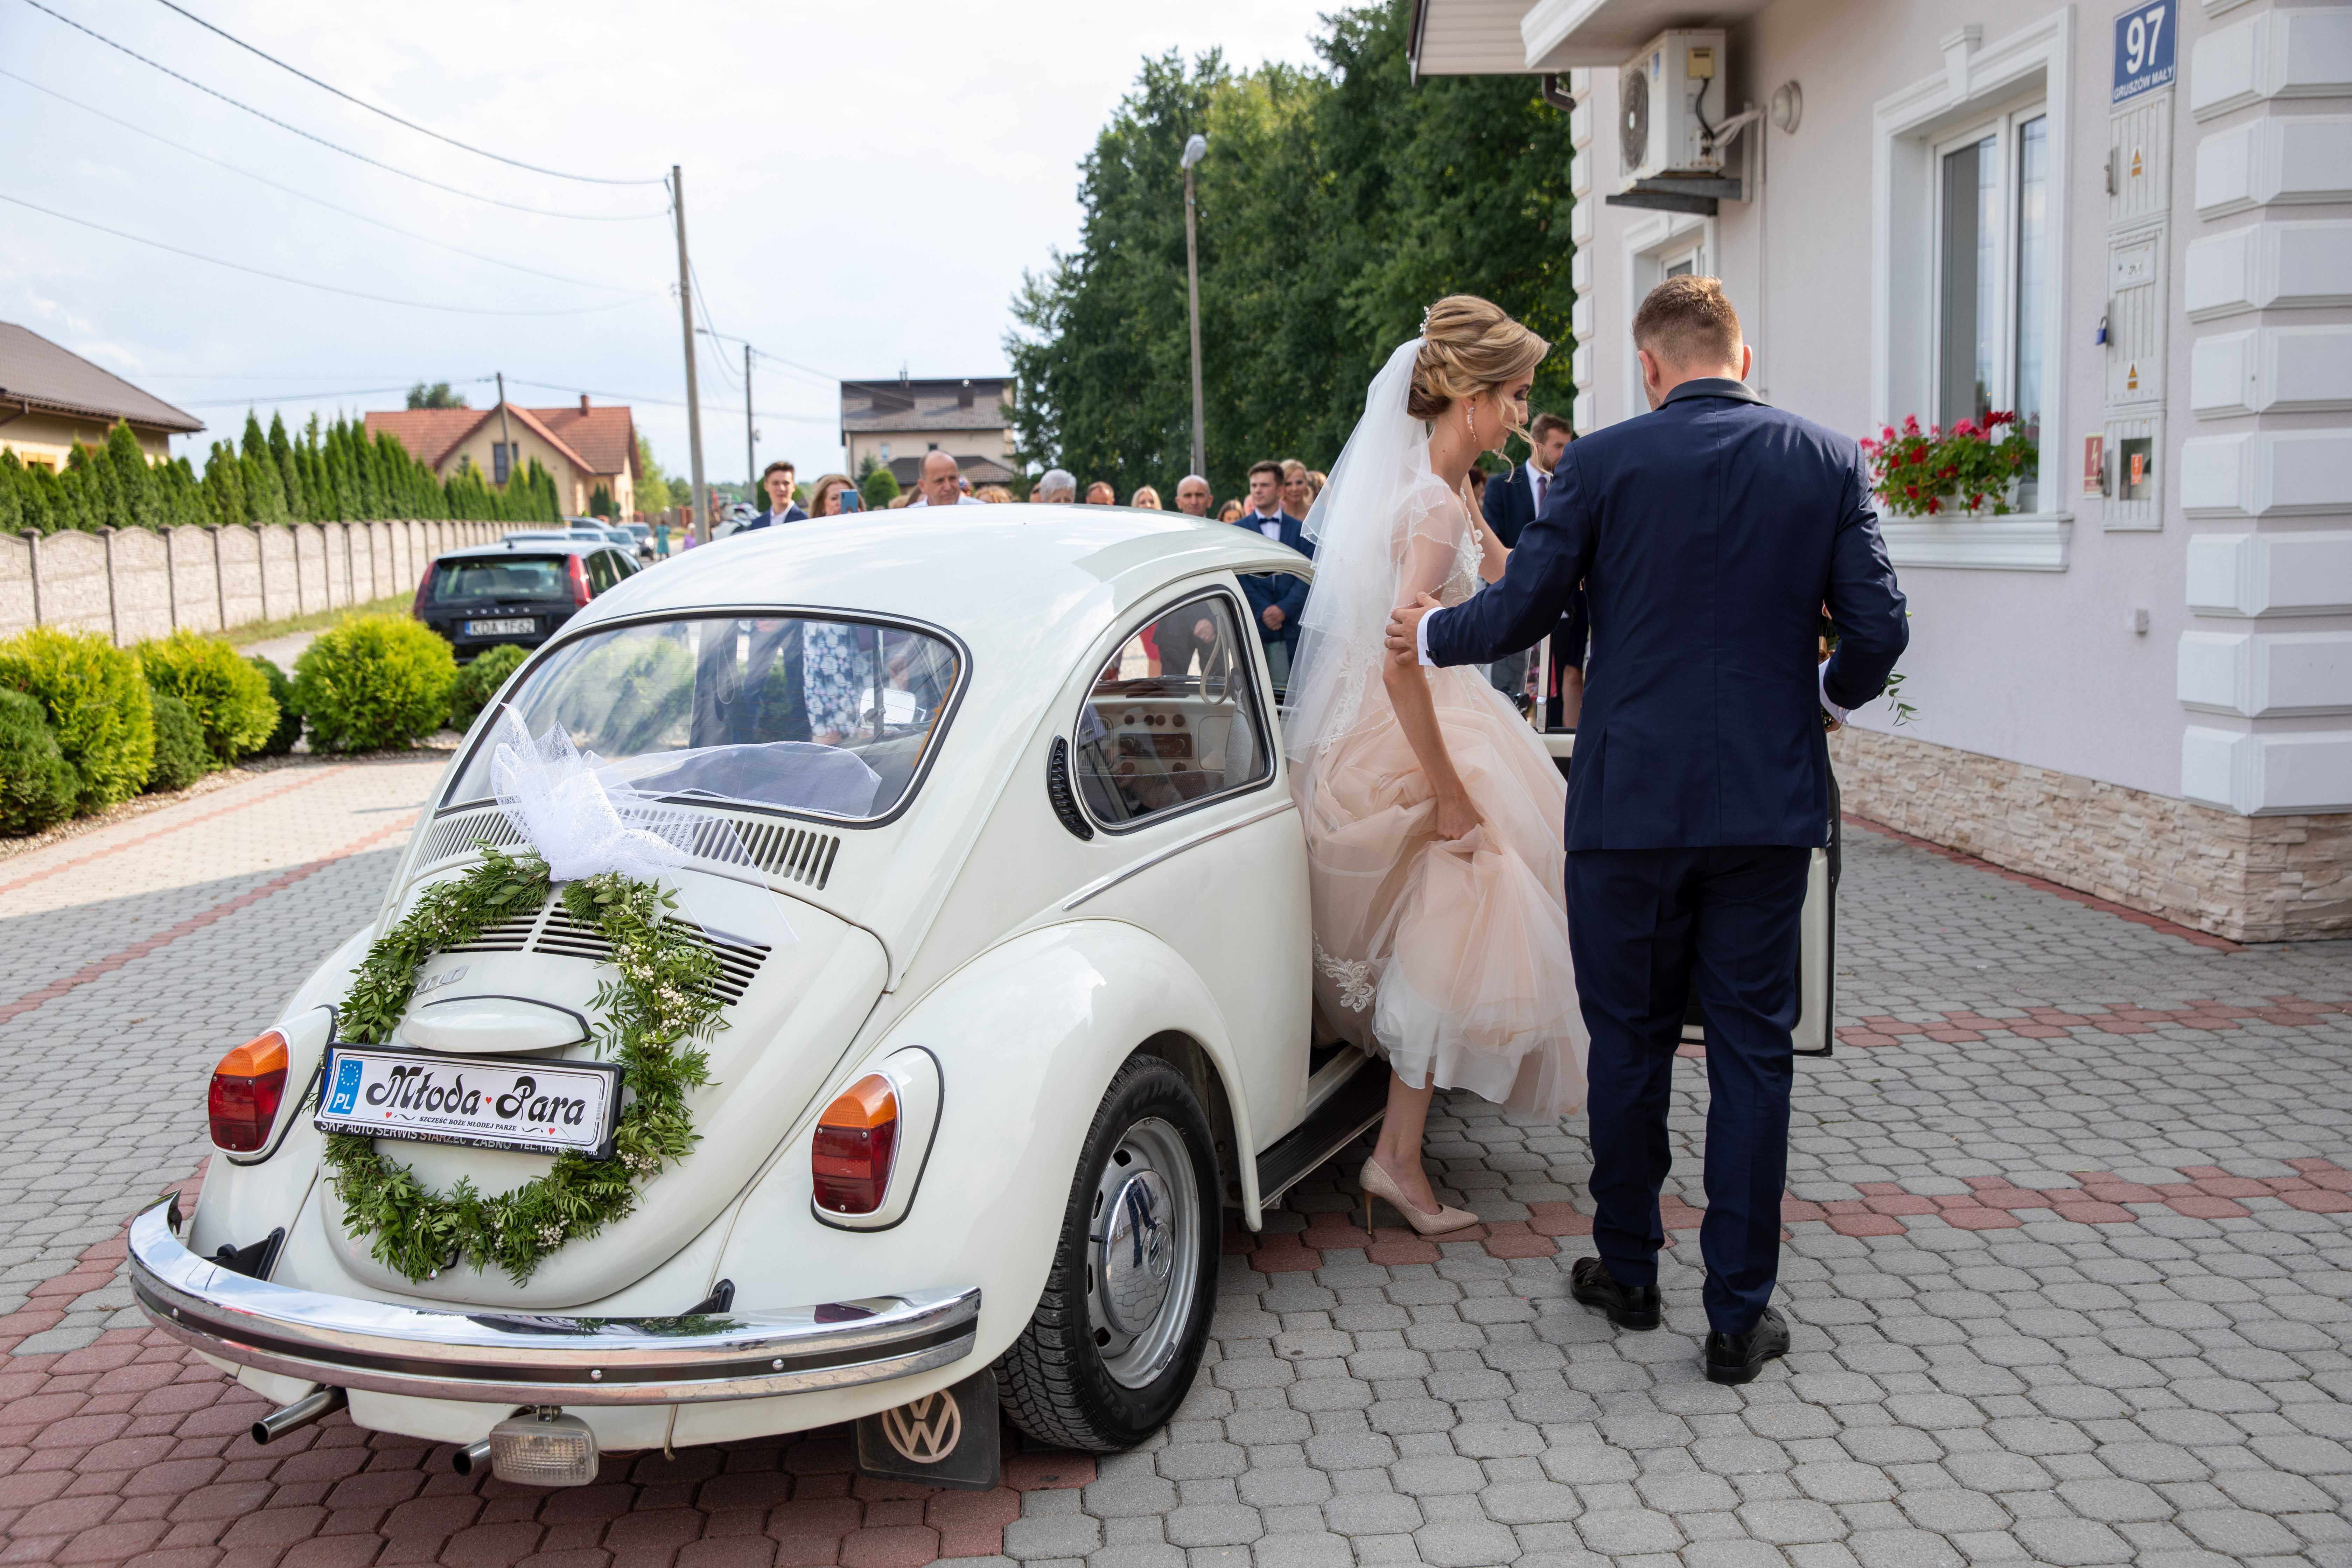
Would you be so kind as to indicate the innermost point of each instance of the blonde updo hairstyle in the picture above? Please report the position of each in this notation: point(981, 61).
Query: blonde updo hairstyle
point(1470, 348)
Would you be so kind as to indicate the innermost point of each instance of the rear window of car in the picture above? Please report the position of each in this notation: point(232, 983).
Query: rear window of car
point(784, 713)
point(502, 577)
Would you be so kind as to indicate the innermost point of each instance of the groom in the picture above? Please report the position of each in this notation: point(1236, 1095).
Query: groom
point(1709, 535)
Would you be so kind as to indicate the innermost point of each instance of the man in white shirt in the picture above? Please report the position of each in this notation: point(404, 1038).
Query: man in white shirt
point(939, 485)
point(1275, 598)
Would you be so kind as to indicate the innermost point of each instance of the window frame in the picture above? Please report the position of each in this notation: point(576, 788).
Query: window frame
point(1260, 685)
point(2004, 125)
point(942, 720)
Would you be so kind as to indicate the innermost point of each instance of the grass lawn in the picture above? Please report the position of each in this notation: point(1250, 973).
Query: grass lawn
point(317, 620)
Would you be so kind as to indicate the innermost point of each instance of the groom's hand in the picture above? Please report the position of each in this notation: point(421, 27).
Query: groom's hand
point(1405, 629)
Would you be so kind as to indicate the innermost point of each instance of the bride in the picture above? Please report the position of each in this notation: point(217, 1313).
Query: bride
point(1433, 812)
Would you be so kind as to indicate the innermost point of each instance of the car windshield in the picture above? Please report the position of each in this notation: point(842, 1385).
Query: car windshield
point(501, 577)
point(787, 711)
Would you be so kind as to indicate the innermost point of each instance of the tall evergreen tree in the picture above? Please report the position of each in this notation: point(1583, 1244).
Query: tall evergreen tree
point(289, 475)
point(225, 485)
point(129, 481)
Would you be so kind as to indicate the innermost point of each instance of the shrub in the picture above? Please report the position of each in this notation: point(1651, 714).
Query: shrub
point(228, 698)
point(374, 681)
point(36, 785)
point(479, 681)
point(97, 704)
point(879, 489)
point(289, 718)
point(181, 757)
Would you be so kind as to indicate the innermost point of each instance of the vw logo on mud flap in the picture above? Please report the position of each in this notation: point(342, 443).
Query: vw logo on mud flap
point(924, 1431)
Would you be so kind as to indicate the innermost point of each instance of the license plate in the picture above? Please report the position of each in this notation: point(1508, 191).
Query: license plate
point(489, 1102)
point(521, 627)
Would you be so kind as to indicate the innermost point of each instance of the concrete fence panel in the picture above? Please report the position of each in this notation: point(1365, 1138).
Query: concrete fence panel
point(280, 586)
point(334, 565)
point(142, 584)
point(75, 592)
point(238, 550)
point(17, 610)
point(195, 577)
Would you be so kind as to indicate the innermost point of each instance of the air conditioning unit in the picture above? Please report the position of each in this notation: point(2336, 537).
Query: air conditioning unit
point(1667, 98)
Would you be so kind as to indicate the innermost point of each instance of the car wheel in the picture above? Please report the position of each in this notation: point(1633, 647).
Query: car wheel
point(1118, 1331)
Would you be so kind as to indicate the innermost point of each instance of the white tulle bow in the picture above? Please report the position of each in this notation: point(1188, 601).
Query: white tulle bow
point(584, 822)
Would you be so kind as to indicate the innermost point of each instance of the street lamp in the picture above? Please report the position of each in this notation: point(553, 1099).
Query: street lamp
point(1196, 148)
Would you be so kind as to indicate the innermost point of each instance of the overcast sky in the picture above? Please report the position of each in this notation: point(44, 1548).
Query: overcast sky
point(865, 185)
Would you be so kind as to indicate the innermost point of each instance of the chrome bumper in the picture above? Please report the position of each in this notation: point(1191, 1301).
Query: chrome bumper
point(537, 1359)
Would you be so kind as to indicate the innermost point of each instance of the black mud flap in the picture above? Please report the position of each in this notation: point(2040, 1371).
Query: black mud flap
point(944, 1439)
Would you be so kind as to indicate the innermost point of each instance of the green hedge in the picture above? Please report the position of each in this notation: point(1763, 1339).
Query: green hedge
point(181, 757)
point(96, 699)
point(289, 718)
point(479, 681)
point(229, 700)
point(36, 785)
point(371, 682)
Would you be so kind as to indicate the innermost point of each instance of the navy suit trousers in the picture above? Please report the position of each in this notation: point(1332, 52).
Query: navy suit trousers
point(1645, 927)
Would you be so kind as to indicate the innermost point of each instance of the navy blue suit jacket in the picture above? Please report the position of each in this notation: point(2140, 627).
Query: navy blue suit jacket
point(1509, 505)
point(1709, 535)
point(1273, 588)
point(768, 518)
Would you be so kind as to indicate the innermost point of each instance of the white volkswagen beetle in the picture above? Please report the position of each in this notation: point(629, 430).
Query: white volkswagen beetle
point(1016, 1004)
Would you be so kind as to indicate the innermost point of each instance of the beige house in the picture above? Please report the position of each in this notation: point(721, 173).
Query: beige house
point(899, 422)
point(582, 448)
point(50, 398)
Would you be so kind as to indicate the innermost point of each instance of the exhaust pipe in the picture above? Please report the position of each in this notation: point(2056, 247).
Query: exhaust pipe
point(301, 1413)
point(471, 1458)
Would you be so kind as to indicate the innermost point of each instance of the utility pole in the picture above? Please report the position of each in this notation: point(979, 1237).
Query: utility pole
point(701, 524)
point(751, 436)
point(506, 436)
point(1196, 148)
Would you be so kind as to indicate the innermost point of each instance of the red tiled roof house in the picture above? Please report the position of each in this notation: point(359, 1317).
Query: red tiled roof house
point(582, 448)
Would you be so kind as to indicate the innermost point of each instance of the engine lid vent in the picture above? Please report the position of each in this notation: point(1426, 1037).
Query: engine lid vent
point(552, 931)
point(801, 855)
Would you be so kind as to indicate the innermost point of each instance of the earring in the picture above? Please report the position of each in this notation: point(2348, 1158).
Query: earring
point(1467, 424)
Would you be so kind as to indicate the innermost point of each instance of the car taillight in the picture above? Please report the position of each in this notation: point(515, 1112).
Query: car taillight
point(857, 1138)
point(416, 610)
point(247, 1089)
point(579, 582)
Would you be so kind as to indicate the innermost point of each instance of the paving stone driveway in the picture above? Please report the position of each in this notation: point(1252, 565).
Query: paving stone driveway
point(2069, 1268)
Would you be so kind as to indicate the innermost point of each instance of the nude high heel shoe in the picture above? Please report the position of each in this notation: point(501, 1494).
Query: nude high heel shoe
point(1377, 1183)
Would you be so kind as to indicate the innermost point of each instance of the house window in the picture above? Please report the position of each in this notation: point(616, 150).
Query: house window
point(1991, 249)
point(501, 461)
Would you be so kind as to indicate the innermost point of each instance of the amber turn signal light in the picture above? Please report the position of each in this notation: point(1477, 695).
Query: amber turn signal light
point(246, 1090)
point(856, 1139)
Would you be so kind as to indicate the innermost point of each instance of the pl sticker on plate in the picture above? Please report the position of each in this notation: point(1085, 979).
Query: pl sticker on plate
point(537, 1106)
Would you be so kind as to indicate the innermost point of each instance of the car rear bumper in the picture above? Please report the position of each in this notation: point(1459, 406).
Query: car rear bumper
point(540, 1359)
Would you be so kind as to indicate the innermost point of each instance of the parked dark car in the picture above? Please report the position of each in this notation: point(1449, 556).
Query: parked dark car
point(518, 592)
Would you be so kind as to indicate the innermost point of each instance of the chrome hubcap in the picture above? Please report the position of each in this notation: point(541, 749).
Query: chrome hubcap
point(1145, 1259)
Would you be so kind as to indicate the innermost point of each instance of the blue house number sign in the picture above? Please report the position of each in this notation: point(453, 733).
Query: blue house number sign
point(2143, 50)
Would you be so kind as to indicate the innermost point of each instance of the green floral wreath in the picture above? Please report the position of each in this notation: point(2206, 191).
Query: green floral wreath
point(650, 1014)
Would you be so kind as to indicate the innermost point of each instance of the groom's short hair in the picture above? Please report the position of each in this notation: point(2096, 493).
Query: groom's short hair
point(1547, 423)
point(1688, 322)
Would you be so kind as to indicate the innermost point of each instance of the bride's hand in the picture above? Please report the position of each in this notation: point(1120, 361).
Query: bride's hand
point(1456, 816)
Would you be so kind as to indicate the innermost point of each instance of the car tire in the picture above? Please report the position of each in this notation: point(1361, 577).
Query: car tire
point(1117, 1334)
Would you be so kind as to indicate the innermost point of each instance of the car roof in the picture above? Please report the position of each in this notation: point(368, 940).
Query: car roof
point(553, 544)
point(1025, 587)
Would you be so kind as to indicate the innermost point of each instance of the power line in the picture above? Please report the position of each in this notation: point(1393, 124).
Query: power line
point(334, 147)
point(260, 400)
point(388, 114)
point(306, 283)
point(669, 402)
point(305, 195)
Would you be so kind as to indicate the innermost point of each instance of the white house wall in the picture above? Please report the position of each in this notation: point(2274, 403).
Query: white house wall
point(2076, 640)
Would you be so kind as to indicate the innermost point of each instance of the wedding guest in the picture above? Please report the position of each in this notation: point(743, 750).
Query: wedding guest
point(941, 482)
point(1056, 487)
point(1316, 479)
point(776, 480)
point(825, 500)
point(1276, 598)
point(1510, 502)
point(1099, 493)
point(994, 495)
point(1193, 496)
point(1230, 513)
point(905, 499)
point(1147, 498)
point(1297, 495)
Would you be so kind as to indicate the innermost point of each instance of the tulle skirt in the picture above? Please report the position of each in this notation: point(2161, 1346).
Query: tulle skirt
point(1448, 957)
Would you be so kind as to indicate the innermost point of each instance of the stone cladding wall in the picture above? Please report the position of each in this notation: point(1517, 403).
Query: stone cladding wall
point(2249, 878)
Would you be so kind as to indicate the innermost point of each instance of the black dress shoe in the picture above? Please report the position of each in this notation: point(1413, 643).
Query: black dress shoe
point(1735, 1358)
point(1590, 1282)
